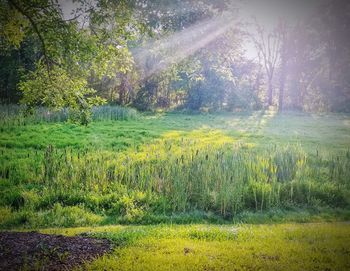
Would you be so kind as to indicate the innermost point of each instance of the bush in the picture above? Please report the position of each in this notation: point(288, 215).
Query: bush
point(70, 216)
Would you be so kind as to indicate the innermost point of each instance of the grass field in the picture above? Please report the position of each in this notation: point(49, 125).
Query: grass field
point(200, 184)
point(324, 132)
point(317, 246)
point(180, 168)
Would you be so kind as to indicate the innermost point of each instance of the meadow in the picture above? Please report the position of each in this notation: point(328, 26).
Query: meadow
point(127, 167)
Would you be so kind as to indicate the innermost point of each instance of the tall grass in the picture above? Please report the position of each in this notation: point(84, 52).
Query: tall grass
point(176, 175)
point(108, 112)
point(18, 115)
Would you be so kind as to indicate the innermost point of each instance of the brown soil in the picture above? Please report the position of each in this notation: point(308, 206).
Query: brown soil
point(36, 251)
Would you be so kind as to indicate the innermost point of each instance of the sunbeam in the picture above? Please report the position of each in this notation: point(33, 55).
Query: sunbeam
point(180, 45)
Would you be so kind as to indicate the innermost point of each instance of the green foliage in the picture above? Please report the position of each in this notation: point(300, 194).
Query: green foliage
point(168, 168)
point(11, 30)
point(201, 94)
point(70, 54)
point(61, 216)
point(43, 88)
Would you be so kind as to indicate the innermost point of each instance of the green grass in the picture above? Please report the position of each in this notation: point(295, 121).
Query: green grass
point(20, 115)
point(223, 172)
point(326, 133)
point(316, 246)
point(173, 167)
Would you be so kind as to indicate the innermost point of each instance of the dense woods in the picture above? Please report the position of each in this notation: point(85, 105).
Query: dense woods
point(172, 55)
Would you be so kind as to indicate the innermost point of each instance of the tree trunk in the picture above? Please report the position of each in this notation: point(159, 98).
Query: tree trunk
point(282, 80)
point(269, 92)
point(281, 95)
point(122, 90)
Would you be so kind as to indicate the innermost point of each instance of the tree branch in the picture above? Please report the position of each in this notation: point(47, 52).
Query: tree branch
point(36, 30)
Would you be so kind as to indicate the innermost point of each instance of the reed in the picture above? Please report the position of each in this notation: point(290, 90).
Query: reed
point(19, 115)
point(183, 175)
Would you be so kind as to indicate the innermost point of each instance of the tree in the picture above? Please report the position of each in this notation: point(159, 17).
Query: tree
point(164, 74)
point(268, 45)
point(70, 53)
point(332, 27)
point(319, 60)
point(283, 37)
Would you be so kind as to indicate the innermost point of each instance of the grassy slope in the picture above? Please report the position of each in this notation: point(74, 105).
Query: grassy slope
point(319, 246)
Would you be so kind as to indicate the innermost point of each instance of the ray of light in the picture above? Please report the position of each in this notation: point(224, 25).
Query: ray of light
point(180, 45)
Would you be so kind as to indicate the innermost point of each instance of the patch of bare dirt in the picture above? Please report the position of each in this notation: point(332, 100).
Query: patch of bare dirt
point(36, 251)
